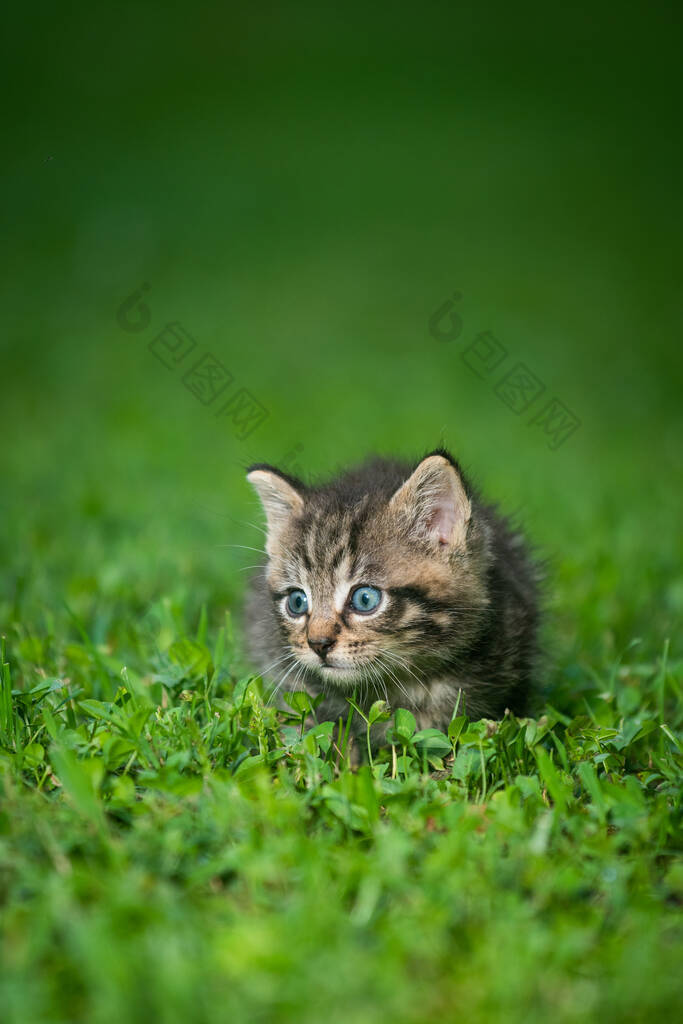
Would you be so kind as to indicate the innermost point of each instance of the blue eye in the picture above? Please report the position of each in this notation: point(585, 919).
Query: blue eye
point(297, 603)
point(365, 599)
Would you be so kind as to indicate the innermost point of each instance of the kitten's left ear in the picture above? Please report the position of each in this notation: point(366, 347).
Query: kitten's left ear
point(279, 497)
point(434, 503)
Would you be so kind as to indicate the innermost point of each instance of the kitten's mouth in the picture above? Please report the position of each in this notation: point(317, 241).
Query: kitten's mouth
point(337, 674)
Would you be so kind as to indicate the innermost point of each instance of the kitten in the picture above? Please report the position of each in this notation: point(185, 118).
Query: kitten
point(397, 581)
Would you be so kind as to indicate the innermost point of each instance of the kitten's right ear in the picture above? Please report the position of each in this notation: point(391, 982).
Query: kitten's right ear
point(279, 497)
point(434, 503)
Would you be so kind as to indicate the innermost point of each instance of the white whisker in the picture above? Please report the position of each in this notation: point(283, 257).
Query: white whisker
point(401, 662)
point(244, 547)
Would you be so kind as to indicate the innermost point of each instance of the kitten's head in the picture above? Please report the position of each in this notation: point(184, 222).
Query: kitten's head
point(375, 573)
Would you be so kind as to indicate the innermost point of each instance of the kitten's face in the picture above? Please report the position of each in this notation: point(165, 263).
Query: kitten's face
point(354, 598)
point(368, 592)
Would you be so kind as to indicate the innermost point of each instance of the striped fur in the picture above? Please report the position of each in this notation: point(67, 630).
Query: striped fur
point(459, 606)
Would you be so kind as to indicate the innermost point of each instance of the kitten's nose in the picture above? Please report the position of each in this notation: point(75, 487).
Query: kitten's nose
point(321, 645)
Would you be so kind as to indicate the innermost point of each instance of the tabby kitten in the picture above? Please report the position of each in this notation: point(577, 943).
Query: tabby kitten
point(397, 581)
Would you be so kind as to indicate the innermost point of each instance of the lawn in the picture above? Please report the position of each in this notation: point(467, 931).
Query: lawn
point(369, 244)
point(173, 848)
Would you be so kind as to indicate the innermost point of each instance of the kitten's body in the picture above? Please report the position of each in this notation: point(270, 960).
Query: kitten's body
point(458, 608)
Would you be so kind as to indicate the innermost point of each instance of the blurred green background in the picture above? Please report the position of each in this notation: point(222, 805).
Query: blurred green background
point(302, 187)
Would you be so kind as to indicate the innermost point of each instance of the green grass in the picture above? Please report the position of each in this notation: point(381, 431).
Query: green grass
point(173, 848)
